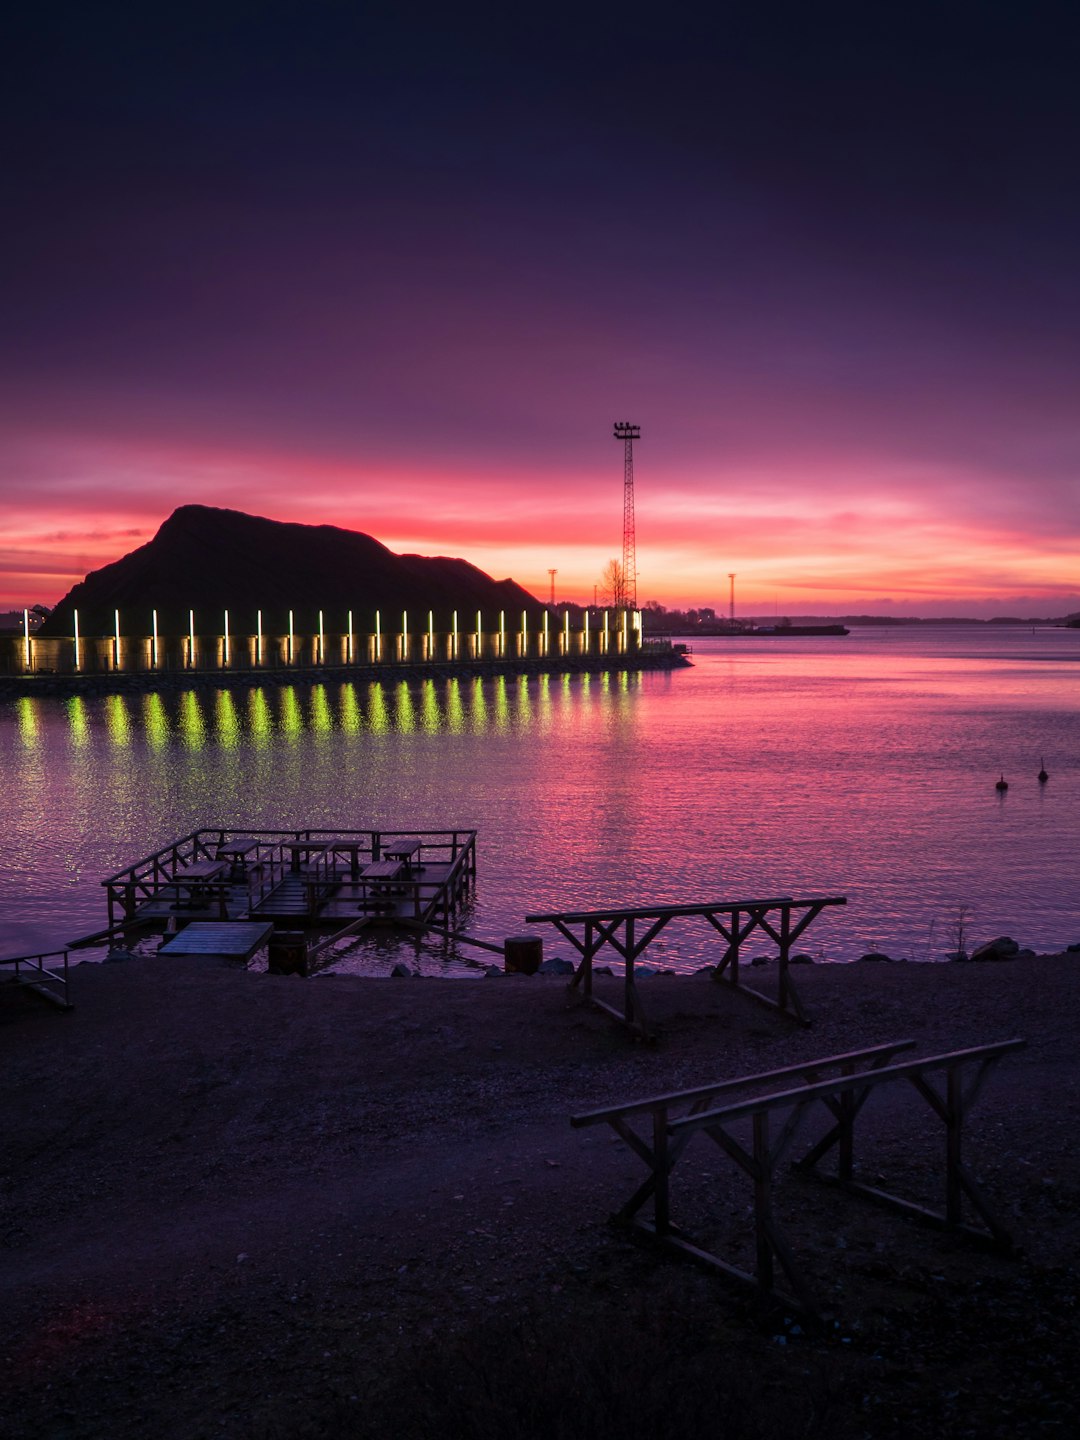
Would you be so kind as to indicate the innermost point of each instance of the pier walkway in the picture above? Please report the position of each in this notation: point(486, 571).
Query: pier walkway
point(327, 880)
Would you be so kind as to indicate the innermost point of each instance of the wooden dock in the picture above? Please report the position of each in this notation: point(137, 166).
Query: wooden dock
point(321, 881)
point(220, 940)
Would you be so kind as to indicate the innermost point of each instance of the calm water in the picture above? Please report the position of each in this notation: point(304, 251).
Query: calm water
point(861, 766)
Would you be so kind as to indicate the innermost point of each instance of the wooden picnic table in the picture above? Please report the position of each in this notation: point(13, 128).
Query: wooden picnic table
point(378, 883)
point(305, 848)
point(236, 852)
point(406, 850)
point(196, 882)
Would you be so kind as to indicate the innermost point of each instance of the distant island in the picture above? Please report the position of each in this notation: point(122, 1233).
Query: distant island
point(705, 621)
point(210, 560)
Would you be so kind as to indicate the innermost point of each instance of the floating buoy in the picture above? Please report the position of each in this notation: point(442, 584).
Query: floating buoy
point(1043, 776)
point(1002, 784)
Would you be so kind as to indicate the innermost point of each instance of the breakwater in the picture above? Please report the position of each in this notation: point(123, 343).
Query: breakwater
point(112, 682)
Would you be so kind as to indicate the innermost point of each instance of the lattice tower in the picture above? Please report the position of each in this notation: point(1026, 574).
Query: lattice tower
point(628, 433)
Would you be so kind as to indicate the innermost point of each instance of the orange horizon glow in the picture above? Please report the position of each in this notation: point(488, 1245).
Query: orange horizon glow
point(802, 539)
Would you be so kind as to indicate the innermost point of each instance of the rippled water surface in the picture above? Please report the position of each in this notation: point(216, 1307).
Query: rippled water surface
point(861, 766)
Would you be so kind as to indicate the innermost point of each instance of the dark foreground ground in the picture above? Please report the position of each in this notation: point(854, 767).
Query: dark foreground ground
point(239, 1205)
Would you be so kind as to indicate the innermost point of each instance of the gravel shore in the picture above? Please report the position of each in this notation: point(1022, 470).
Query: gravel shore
point(248, 1205)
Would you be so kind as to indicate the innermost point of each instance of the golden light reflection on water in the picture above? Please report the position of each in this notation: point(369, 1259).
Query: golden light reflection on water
point(260, 721)
point(227, 720)
point(322, 722)
point(404, 709)
point(524, 701)
point(26, 716)
point(351, 719)
point(865, 777)
point(292, 717)
point(155, 722)
point(192, 724)
point(378, 710)
point(479, 708)
point(78, 720)
point(198, 719)
point(430, 716)
point(117, 720)
point(455, 710)
point(543, 701)
point(501, 705)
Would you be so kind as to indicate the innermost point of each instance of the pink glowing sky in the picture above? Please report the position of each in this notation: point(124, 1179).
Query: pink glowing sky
point(406, 286)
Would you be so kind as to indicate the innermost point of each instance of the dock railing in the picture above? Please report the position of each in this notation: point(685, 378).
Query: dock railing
point(149, 879)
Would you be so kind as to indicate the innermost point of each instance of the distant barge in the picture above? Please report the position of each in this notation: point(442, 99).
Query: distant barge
point(750, 631)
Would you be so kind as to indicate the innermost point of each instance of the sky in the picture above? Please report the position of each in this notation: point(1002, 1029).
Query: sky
point(400, 267)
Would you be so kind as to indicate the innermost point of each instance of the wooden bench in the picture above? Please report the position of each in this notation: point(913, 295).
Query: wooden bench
point(377, 880)
point(235, 853)
point(303, 851)
point(405, 850)
point(841, 1084)
point(383, 870)
point(193, 886)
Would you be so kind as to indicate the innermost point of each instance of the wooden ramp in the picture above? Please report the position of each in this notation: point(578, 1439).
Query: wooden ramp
point(225, 940)
point(295, 898)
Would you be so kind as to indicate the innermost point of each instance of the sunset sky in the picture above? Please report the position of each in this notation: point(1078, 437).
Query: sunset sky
point(399, 268)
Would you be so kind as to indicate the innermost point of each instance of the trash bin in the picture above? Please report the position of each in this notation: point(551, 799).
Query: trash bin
point(522, 954)
point(287, 953)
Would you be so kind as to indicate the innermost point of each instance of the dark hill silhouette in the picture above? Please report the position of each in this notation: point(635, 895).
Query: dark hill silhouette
point(211, 560)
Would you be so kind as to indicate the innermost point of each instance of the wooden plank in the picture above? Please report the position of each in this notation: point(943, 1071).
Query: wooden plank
point(229, 940)
point(382, 870)
point(700, 1092)
point(844, 1096)
point(841, 1083)
point(198, 870)
point(649, 912)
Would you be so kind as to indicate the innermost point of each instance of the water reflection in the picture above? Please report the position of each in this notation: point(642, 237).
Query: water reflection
point(377, 708)
point(479, 708)
point(191, 723)
point(431, 717)
point(351, 721)
point(26, 715)
point(227, 720)
point(455, 710)
point(404, 710)
point(260, 721)
point(79, 720)
point(854, 773)
point(155, 721)
point(118, 721)
point(322, 721)
point(292, 717)
point(500, 706)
